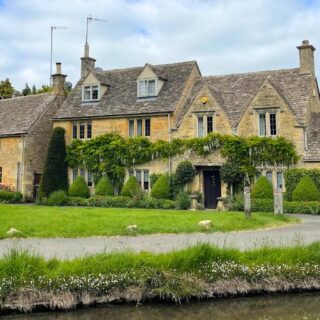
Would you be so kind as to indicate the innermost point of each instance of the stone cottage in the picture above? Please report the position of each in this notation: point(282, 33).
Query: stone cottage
point(25, 132)
point(175, 101)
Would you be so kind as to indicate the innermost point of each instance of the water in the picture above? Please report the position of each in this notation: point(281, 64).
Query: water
point(287, 307)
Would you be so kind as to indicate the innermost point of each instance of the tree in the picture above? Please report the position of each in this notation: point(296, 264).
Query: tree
point(55, 173)
point(26, 91)
point(232, 174)
point(34, 89)
point(44, 89)
point(6, 89)
point(185, 173)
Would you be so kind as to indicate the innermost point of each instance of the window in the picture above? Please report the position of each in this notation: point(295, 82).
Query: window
point(82, 172)
point(138, 176)
point(145, 179)
point(279, 180)
point(131, 128)
point(90, 93)
point(147, 88)
point(139, 127)
point(74, 174)
point(0, 174)
point(200, 126)
point(262, 124)
point(209, 124)
point(147, 127)
point(89, 130)
point(75, 130)
point(90, 179)
point(273, 124)
point(82, 129)
point(269, 176)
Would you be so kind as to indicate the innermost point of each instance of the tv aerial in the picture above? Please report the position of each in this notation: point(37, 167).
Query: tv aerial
point(89, 20)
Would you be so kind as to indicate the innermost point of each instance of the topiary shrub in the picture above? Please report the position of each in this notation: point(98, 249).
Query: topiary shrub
point(55, 172)
point(306, 190)
point(131, 188)
point(79, 188)
point(161, 189)
point(183, 201)
point(185, 173)
point(58, 198)
point(104, 187)
point(262, 189)
point(153, 179)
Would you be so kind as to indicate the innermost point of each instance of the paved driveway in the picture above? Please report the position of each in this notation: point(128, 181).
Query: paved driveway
point(64, 248)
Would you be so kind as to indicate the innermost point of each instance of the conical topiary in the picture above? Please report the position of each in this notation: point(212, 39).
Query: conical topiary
point(161, 189)
point(306, 190)
point(104, 187)
point(262, 189)
point(79, 188)
point(131, 188)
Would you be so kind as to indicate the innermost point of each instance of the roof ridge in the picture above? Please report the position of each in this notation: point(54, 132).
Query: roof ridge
point(28, 96)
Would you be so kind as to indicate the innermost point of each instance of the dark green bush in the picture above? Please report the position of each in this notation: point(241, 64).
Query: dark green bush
point(153, 178)
point(183, 201)
point(161, 189)
point(77, 202)
point(10, 196)
point(185, 173)
point(131, 188)
point(79, 188)
point(175, 187)
point(109, 202)
point(104, 187)
point(262, 189)
point(302, 207)
point(294, 175)
point(58, 198)
point(257, 205)
point(153, 203)
point(55, 172)
point(306, 190)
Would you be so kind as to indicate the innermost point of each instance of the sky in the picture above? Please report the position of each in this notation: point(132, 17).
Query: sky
point(223, 36)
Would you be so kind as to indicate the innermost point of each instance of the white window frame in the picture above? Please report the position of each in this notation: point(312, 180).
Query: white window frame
point(267, 113)
point(84, 86)
point(133, 172)
point(143, 127)
point(146, 91)
point(204, 124)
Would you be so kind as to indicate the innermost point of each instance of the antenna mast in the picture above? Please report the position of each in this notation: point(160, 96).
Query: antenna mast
point(51, 47)
point(90, 19)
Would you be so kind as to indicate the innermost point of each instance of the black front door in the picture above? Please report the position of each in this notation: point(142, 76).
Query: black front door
point(212, 188)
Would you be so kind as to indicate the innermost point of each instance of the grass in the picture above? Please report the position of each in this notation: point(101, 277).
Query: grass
point(49, 222)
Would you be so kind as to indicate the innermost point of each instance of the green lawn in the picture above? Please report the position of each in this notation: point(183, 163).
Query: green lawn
point(47, 222)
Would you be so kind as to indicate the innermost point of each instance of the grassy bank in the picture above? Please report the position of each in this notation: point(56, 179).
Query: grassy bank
point(46, 222)
point(203, 271)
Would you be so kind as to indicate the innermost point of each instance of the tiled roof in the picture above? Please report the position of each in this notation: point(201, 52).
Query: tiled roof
point(121, 96)
point(17, 115)
point(313, 152)
point(235, 91)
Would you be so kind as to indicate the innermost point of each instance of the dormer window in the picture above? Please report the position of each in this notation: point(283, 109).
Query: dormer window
point(147, 88)
point(90, 93)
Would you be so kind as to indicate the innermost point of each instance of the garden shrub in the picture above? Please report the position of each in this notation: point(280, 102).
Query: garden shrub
point(79, 188)
point(175, 187)
point(77, 202)
point(152, 203)
point(58, 198)
point(109, 202)
point(306, 190)
point(161, 189)
point(131, 188)
point(183, 201)
point(185, 173)
point(10, 196)
point(104, 187)
point(153, 179)
point(262, 189)
point(302, 207)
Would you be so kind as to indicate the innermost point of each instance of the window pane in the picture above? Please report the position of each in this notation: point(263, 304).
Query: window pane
point(131, 128)
point(147, 127)
point(209, 124)
point(89, 130)
point(74, 174)
point(279, 180)
point(151, 87)
point(262, 124)
point(95, 92)
point(146, 179)
point(82, 127)
point(90, 179)
point(269, 176)
point(86, 93)
point(273, 124)
point(142, 88)
point(75, 130)
point(138, 176)
point(139, 127)
point(200, 127)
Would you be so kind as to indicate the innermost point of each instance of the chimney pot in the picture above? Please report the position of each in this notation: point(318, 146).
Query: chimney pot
point(58, 68)
point(305, 42)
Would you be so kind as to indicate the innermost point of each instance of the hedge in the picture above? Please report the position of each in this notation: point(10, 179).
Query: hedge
point(293, 176)
point(10, 197)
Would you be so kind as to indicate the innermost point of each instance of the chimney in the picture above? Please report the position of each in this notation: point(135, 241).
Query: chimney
point(58, 80)
point(306, 55)
point(87, 63)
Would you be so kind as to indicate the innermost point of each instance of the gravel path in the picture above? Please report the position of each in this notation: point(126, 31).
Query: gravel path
point(65, 248)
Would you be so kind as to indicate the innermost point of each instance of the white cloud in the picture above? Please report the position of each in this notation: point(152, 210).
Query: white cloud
point(224, 36)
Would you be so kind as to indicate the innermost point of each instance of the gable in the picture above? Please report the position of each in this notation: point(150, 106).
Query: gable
point(147, 73)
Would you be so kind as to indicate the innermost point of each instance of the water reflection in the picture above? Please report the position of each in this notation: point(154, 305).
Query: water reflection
point(288, 307)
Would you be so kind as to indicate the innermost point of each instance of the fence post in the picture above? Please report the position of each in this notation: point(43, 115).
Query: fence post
point(247, 202)
point(278, 201)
